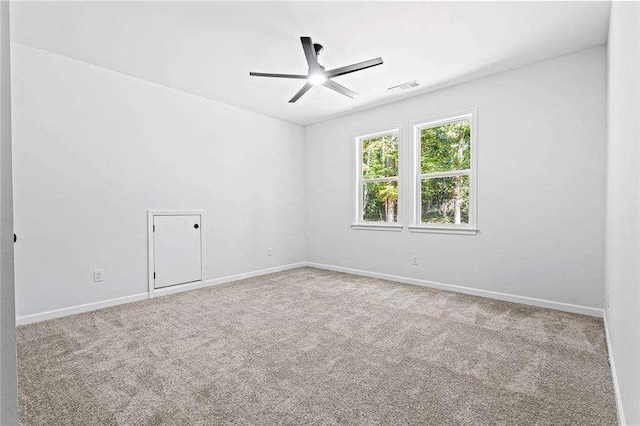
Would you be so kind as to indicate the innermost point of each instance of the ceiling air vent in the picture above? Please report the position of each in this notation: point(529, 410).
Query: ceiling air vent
point(404, 87)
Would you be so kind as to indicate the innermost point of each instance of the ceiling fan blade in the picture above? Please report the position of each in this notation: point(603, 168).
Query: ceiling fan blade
point(310, 54)
point(354, 67)
point(339, 88)
point(266, 74)
point(301, 92)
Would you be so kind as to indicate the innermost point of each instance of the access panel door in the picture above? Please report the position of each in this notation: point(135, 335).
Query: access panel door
point(177, 248)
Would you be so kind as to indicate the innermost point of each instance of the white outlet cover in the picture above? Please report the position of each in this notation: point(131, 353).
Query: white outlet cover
point(98, 276)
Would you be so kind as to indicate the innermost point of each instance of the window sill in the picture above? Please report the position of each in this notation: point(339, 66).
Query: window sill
point(376, 227)
point(443, 230)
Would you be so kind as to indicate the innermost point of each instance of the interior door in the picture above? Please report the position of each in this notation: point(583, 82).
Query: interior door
point(177, 248)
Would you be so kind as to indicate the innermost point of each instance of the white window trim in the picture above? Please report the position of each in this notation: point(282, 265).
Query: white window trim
point(358, 223)
point(376, 226)
point(470, 228)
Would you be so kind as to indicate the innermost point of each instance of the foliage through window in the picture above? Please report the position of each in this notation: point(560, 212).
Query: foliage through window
point(379, 178)
point(445, 172)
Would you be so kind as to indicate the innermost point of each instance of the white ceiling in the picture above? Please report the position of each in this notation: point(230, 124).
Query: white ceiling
point(208, 48)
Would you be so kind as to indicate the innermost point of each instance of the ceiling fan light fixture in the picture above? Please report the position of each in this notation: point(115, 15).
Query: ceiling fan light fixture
point(317, 78)
point(317, 74)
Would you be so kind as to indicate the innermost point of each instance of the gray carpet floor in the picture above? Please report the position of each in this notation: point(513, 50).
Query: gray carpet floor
point(307, 346)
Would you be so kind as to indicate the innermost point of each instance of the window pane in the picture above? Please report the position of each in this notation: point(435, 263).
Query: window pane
point(445, 148)
point(380, 201)
point(445, 200)
point(380, 156)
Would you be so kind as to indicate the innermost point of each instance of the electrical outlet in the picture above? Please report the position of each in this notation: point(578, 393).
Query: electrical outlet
point(414, 259)
point(269, 252)
point(98, 275)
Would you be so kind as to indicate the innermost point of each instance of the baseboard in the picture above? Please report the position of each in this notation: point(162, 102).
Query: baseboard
point(567, 307)
point(614, 375)
point(78, 309)
point(158, 292)
point(223, 280)
point(63, 312)
point(28, 319)
point(246, 275)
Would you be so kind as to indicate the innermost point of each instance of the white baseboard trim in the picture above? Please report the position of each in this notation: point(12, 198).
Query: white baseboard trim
point(245, 275)
point(560, 306)
point(158, 292)
point(614, 375)
point(63, 312)
point(78, 309)
point(223, 280)
point(28, 319)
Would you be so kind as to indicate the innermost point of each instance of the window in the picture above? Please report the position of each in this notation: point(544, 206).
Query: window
point(377, 178)
point(445, 192)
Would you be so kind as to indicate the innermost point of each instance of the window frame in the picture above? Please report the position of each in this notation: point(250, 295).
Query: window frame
point(358, 221)
point(470, 228)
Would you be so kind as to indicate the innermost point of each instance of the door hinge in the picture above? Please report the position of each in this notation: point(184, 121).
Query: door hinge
point(154, 275)
point(154, 228)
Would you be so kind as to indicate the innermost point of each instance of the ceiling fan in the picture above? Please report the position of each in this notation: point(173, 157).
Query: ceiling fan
point(317, 73)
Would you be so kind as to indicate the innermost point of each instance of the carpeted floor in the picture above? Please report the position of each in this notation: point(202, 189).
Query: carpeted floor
point(307, 346)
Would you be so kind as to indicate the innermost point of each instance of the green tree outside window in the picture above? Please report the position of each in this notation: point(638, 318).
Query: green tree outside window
point(380, 178)
point(445, 150)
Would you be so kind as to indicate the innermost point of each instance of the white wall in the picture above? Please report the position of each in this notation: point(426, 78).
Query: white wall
point(94, 149)
point(541, 181)
point(90, 158)
point(8, 378)
point(623, 203)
